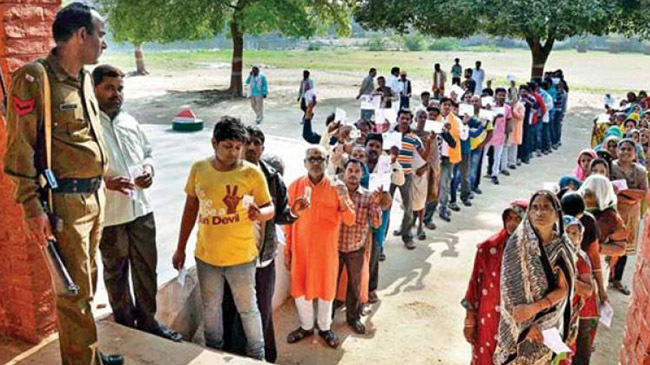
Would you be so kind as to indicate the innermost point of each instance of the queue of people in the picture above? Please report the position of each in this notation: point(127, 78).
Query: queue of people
point(543, 270)
point(552, 264)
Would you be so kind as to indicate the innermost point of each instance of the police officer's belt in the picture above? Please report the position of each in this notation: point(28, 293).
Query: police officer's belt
point(89, 185)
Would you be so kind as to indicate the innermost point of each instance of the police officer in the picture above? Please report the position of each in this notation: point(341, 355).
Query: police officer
point(78, 163)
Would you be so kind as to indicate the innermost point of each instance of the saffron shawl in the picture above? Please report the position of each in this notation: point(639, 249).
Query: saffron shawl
point(528, 273)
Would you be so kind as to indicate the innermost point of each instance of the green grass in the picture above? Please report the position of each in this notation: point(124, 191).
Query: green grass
point(592, 72)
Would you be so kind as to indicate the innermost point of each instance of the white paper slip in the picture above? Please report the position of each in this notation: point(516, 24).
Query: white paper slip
point(553, 341)
point(465, 109)
point(486, 114)
point(377, 181)
point(383, 164)
point(355, 133)
point(434, 126)
point(550, 186)
point(510, 77)
point(392, 139)
point(247, 201)
point(602, 118)
point(340, 116)
point(457, 90)
point(369, 102)
point(486, 100)
point(499, 111)
point(181, 276)
point(308, 193)
point(606, 314)
point(464, 132)
point(620, 184)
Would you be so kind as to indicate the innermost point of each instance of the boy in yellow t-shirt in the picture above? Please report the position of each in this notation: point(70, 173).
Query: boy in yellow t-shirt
point(228, 196)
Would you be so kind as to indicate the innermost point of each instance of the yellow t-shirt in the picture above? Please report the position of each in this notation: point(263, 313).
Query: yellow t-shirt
point(226, 235)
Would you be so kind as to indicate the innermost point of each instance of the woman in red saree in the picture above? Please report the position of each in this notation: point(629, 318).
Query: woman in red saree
point(482, 298)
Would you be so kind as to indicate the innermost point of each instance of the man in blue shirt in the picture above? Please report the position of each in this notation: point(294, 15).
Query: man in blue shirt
point(257, 90)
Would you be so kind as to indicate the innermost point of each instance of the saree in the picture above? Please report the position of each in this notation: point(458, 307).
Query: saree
point(529, 272)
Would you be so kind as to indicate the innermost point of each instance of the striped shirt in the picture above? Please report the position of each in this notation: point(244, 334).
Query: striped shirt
point(410, 144)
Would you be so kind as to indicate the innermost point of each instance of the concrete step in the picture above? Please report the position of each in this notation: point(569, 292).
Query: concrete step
point(139, 348)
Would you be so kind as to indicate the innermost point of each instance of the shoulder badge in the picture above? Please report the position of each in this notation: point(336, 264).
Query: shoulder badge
point(23, 107)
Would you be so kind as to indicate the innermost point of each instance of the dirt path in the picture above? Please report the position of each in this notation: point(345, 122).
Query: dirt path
point(419, 318)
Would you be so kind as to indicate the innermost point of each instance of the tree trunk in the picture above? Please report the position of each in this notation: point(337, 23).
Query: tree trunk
point(236, 87)
point(140, 68)
point(540, 55)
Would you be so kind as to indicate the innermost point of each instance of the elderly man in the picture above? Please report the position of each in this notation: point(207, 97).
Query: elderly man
point(311, 252)
point(128, 241)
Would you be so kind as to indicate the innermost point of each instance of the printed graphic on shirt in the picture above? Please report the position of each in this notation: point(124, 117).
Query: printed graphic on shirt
point(208, 214)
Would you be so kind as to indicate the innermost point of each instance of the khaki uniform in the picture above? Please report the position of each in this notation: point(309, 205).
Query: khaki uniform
point(77, 153)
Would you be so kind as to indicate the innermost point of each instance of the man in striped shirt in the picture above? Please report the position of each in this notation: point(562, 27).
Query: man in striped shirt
point(411, 144)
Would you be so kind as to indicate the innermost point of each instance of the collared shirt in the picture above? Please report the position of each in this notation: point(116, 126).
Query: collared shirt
point(410, 145)
point(353, 238)
point(128, 150)
point(478, 76)
point(77, 147)
point(456, 70)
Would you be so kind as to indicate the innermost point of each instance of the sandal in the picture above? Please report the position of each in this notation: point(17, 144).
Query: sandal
point(621, 288)
point(298, 335)
point(331, 338)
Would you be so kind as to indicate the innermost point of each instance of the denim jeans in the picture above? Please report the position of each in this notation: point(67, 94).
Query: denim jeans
point(379, 234)
point(407, 201)
point(461, 178)
point(546, 136)
point(475, 157)
point(446, 169)
point(241, 279)
point(557, 126)
point(551, 125)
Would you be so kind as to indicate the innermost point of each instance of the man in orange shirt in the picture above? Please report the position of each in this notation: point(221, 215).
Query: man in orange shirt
point(311, 251)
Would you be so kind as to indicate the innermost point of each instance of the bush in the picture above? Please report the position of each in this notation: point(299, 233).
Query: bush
point(413, 42)
point(376, 44)
point(443, 44)
point(314, 46)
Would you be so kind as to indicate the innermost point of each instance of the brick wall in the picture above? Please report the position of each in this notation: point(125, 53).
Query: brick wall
point(636, 342)
point(26, 300)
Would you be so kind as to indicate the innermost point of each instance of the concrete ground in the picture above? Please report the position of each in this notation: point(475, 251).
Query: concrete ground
point(419, 318)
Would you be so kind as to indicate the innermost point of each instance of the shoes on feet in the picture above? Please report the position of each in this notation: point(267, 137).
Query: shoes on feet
point(454, 207)
point(495, 180)
point(467, 203)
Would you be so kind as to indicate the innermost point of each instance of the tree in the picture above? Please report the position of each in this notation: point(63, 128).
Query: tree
point(141, 21)
point(539, 22)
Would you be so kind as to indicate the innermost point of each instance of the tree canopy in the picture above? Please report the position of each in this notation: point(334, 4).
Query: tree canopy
point(141, 21)
point(539, 22)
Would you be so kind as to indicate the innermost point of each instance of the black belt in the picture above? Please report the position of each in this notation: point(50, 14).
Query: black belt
point(71, 186)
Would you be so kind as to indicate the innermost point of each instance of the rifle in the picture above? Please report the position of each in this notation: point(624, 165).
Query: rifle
point(61, 279)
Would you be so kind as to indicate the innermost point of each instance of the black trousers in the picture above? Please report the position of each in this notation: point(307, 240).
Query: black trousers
point(620, 268)
point(131, 247)
point(353, 262)
point(234, 338)
point(490, 155)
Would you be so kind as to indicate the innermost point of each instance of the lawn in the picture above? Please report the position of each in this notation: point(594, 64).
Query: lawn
point(594, 72)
